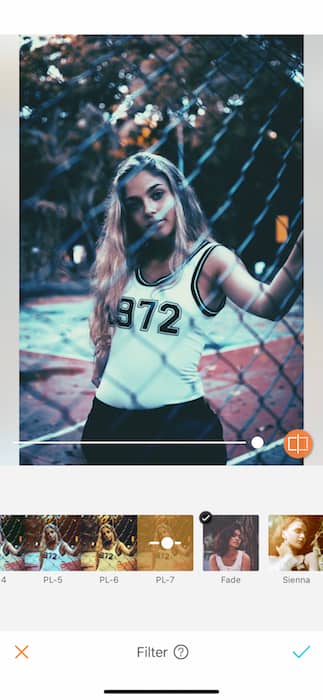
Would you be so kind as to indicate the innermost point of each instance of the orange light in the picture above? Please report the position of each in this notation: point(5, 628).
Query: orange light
point(281, 233)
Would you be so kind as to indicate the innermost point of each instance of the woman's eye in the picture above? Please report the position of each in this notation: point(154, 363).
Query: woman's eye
point(157, 194)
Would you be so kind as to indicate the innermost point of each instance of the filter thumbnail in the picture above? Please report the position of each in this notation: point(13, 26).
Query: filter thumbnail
point(52, 543)
point(96, 542)
point(296, 542)
point(231, 543)
point(11, 542)
point(165, 542)
point(109, 543)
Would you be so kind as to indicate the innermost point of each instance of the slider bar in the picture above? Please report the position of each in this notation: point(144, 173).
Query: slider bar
point(161, 692)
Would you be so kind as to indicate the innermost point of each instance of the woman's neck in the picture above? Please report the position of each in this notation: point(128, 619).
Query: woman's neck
point(157, 249)
point(231, 553)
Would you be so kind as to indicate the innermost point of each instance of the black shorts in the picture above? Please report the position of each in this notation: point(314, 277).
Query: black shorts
point(192, 420)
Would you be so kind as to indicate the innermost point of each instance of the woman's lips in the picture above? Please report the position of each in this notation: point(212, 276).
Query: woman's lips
point(156, 223)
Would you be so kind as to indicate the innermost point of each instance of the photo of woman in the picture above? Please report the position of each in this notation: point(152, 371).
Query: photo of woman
point(109, 543)
point(160, 282)
point(53, 550)
point(231, 543)
point(167, 214)
point(111, 553)
point(291, 543)
point(52, 543)
point(228, 555)
point(165, 543)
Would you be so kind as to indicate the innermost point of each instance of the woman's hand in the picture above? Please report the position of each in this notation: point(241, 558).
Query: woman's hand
point(296, 255)
point(95, 379)
point(99, 367)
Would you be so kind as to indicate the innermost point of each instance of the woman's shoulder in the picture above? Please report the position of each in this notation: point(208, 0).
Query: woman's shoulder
point(213, 556)
point(213, 561)
point(219, 258)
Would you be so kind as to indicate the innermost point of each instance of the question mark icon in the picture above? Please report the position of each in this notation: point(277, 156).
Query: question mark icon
point(180, 651)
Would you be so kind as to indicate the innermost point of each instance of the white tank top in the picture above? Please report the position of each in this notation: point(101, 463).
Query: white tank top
point(52, 559)
point(161, 332)
point(170, 561)
point(236, 566)
point(108, 559)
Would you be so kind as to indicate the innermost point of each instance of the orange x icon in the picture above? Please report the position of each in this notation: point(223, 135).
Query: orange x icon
point(21, 652)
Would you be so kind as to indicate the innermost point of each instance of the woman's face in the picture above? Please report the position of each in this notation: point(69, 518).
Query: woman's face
point(107, 534)
point(295, 534)
point(235, 539)
point(149, 201)
point(51, 535)
point(163, 530)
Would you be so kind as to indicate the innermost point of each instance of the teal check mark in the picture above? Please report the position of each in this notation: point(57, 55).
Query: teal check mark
point(299, 656)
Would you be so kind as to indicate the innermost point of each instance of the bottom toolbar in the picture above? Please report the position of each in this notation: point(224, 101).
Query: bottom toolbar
point(233, 665)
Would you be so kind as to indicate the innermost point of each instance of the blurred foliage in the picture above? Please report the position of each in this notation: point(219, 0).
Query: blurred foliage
point(89, 101)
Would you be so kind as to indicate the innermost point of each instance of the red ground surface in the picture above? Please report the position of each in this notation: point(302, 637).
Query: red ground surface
point(56, 392)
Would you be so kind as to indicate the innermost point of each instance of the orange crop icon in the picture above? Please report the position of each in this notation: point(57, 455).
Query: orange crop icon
point(298, 443)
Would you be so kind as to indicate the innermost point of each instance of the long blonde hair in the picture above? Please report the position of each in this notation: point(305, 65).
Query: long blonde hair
point(100, 543)
point(120, 246)
point(43, 541)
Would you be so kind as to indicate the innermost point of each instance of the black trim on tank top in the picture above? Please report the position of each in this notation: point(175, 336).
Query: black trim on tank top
point(194, 286)
point(160, 280)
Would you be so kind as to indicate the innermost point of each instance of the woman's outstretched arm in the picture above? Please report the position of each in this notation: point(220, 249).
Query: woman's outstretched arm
point(123, 549)
point(72, 551)
point(224, 271)
point(12, 550)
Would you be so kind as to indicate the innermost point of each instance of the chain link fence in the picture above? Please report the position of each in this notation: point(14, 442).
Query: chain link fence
point(227, 110)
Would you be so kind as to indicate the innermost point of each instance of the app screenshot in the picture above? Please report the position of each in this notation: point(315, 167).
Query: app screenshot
point(161, 512)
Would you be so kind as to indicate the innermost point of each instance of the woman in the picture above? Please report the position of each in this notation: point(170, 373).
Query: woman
point(228, 555)
point(111, 553)
point(290, 547)
point(160, 281)
point(165, 551)
point(53, 549)
point(7, 551)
